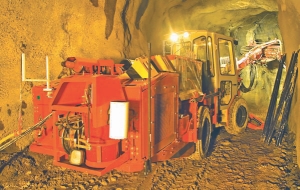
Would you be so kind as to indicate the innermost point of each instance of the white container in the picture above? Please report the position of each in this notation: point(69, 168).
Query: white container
point(118, 120)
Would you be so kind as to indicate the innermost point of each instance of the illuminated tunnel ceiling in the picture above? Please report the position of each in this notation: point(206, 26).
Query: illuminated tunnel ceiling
point(234, 18)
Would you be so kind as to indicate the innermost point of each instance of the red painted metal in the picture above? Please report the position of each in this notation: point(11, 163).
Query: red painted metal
point(169, 134)
point(86, 96)
point(255, 123)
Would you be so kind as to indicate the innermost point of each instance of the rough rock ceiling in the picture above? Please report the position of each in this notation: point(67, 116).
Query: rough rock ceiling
point(227, 17)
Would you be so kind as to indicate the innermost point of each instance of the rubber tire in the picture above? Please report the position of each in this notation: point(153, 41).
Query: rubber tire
point(204, 132)
point(237, 116)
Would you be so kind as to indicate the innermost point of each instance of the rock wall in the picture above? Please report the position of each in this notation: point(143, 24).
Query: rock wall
point(59, 29)
point(288, 18)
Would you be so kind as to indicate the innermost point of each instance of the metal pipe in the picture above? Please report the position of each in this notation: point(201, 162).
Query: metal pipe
point(47, 73)
point(148, 162)
point(33, 80)
point(47, 80)
point(273, 101)
point(23, 66)
point(286, 110)
point(284, 94)
point(20, 108)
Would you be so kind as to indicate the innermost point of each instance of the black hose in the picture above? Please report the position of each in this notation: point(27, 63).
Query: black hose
point(80, 124)
point(66, 143)
point(245, 89)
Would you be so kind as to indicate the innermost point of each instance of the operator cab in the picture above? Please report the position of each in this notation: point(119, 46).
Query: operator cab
point(215, 51)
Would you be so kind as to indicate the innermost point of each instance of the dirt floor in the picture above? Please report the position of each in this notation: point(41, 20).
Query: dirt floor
point(236, 162)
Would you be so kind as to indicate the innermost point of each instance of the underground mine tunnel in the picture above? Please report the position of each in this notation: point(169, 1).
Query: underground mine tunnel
point(173, 94)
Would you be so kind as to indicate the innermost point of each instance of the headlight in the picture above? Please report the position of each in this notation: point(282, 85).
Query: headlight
point(174, 37)
point(186, 35)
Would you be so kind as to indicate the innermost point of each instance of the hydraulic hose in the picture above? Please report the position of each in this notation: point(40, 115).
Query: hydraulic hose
point(245, 89)
point(23, 134)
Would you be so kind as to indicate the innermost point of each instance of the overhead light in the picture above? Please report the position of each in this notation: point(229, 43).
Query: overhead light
point(174, 37)
point(186, 34)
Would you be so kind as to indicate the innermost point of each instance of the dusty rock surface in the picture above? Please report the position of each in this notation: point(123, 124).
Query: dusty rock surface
point(235, 162)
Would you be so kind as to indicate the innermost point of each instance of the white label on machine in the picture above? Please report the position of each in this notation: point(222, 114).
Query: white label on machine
point(119, 120)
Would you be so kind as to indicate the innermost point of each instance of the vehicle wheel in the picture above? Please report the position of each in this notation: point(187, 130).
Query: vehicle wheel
point(203, 132)
point(237, 116)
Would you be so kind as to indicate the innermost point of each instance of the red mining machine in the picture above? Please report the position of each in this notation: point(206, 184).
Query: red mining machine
point(109, 116)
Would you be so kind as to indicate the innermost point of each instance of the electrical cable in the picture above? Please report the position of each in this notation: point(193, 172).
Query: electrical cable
point(245, 89)
point(24, 133)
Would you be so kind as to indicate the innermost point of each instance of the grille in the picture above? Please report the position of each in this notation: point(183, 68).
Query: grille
point(164, 116)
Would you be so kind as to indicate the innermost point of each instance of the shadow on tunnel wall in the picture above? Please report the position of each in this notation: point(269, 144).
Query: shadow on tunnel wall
point(95, 3)
point(141, 10)
point(109, 10)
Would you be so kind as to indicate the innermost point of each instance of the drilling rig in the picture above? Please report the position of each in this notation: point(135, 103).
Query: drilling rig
point(124, 116)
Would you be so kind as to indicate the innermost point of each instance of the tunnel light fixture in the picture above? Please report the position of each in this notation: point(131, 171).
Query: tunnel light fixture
point(174, 37)
point(186, 34)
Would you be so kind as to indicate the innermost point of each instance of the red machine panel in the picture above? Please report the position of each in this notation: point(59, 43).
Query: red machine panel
point(78, 135)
